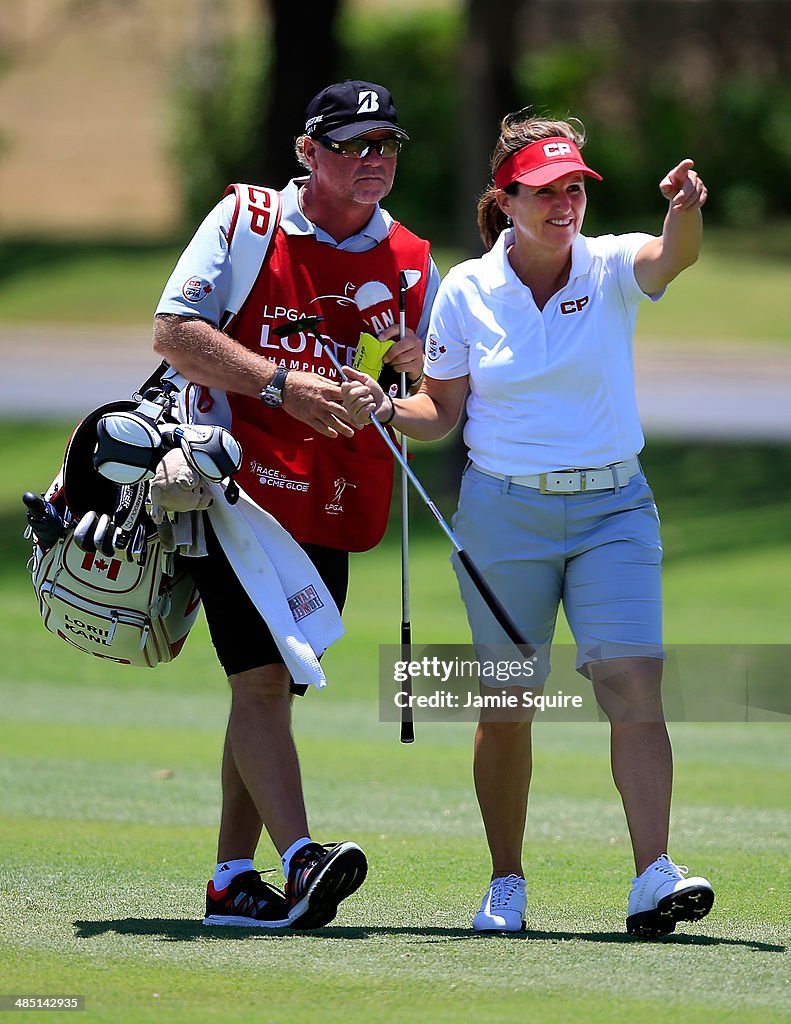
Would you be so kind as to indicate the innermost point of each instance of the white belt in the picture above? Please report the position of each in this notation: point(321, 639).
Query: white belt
point(572, 481)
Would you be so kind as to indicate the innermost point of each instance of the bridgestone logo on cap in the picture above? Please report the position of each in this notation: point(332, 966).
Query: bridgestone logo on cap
point(367, 102)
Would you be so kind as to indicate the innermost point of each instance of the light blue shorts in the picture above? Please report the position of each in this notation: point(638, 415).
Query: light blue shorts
point(597, 552)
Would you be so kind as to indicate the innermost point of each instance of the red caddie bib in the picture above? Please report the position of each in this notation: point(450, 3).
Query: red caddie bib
point(330, 491)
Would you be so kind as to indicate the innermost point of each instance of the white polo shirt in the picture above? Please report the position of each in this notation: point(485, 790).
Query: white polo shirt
point(549, 389)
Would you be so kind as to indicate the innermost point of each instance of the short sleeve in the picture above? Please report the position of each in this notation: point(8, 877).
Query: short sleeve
point(620, 261)
point(201, 281)
point(447, 348)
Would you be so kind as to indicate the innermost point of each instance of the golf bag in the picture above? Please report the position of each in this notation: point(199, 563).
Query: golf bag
point(127, 612)
point(103, 581)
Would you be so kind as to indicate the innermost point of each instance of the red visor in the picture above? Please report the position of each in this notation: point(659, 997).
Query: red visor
point(542, 162)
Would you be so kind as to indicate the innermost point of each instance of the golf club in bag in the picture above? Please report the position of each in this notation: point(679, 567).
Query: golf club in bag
point(310, 323)
point(103, 579)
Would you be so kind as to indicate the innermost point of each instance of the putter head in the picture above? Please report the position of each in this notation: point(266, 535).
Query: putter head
point(408, 279)
point(305, 323)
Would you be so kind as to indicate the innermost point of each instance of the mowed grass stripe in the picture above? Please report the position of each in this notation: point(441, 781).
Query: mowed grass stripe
point(111, 798)
point(132, 992)
point(571, 760)
point(132, 892)
point(349, 805)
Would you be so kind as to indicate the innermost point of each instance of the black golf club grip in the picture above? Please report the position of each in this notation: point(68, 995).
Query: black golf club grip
point(407, 719)
point(494, 605)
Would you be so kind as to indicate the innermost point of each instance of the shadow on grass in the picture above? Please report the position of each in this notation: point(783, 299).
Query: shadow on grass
point(181, 930)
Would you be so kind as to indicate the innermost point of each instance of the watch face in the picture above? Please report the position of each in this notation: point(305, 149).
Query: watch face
point(272, 397)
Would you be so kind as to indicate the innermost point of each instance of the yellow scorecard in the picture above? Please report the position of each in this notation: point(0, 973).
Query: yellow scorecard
point(370, 355)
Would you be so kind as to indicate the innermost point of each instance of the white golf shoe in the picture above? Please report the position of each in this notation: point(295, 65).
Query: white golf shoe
point(503, 906)
point(663, 895)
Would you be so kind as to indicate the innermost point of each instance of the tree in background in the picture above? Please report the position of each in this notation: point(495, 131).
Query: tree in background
point(488, 91)
point(303, 61)
point(239, 101)
point(650, 81)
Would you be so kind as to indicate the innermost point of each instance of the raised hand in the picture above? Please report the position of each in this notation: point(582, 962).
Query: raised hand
point(683, 188)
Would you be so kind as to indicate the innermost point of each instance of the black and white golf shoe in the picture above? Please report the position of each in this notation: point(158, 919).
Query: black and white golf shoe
point(663, 895)
point(319, 878)
point(247, 901)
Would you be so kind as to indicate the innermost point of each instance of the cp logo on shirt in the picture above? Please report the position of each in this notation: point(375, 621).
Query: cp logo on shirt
point(557, 149)
point(574, 305)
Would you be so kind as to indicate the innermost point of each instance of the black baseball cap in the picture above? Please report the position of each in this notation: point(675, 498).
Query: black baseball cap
point(348, 109)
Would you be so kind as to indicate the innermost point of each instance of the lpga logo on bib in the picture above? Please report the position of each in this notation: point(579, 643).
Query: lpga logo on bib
point(334, 506)
point(374, 300)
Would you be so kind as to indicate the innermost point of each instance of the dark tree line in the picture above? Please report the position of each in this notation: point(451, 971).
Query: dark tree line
point(648, 78)
point(305, 59)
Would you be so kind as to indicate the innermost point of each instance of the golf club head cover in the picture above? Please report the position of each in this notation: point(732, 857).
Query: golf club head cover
point(128, 447)
point(211, 450)
point(370, 355)
point(43, 518)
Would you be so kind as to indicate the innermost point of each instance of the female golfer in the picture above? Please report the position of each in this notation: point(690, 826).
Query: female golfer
point(536, 337)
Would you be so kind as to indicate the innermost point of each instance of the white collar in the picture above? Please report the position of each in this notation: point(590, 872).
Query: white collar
point(498, 272)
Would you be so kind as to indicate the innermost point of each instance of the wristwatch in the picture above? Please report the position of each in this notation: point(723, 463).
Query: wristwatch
point(272, 395)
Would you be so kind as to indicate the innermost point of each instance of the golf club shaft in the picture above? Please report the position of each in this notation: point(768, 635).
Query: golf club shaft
point(407, 717)
point(483, 588)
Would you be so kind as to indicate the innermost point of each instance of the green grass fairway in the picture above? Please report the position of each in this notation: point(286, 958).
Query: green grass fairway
point(111, 798)
point(108, 823)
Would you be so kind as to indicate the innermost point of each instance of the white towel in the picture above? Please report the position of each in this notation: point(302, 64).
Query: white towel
point(282, 582)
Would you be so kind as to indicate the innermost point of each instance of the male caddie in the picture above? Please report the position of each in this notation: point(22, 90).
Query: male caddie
point(330, 251)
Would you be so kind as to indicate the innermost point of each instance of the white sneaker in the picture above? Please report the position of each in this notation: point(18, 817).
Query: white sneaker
point(663, 895)
point(503, 907)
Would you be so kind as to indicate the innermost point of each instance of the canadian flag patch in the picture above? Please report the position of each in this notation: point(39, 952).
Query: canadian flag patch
point(109, 567)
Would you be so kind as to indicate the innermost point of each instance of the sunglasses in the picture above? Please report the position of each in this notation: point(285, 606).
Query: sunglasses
point(358, 149)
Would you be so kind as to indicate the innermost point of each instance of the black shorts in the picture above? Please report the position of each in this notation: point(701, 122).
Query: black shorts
point(240, 636)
